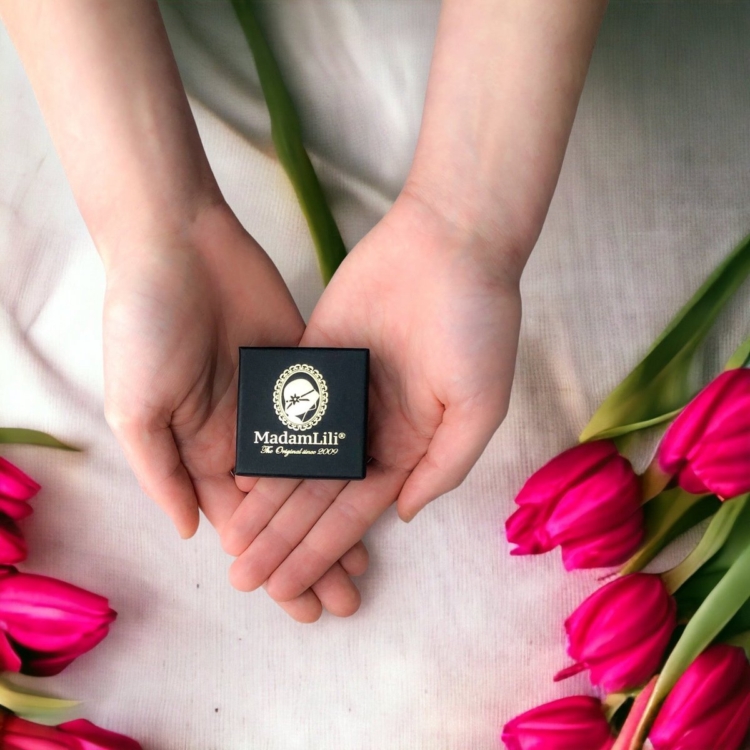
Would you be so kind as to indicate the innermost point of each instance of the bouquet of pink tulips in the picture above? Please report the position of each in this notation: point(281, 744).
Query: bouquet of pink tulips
point(667, 654)
point(44, 625)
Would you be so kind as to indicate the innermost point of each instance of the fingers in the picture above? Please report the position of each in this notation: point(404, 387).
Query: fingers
point(338, 530)
point(265, 498)
point(334, 591)
point(306, 608)
point(283, 532)
point(337, 593)
point(459, 441)
point(152, 454)
point(218, 498)
point(356, 560)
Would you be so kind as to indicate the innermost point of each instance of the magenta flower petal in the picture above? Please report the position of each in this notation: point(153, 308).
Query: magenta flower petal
point(564, 471)
point(582, 500)
point(48, 622)
point(14, 484)
point(708, 446)
point(526, 529)
point(91, 737)
point(621, 631)
point(19, 734)
point(10, 661)
point(709, 707)
point(13, 547)
point(607, 548)
point(721, 462)
point(15, 509)
point(575, 723)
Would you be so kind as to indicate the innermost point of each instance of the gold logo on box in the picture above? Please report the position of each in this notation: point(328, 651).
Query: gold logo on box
point(300, 397)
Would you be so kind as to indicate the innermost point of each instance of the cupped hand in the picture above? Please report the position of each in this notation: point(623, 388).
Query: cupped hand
point(439, 311)
point(176, 311)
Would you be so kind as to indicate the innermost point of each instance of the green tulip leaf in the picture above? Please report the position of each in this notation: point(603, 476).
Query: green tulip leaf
point(716, 612)
point(711, 543)
point(668, 515)
point(20, 436)
point(660, 386)
point(32, 706)
point(286, 132)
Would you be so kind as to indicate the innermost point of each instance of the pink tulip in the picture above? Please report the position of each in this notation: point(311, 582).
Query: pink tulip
point(588, 501)
point(709, 707)
point(16, 489)
point(19, 734)
point(707, 448)
point(45, 623)
point(620, 632)
point(575, 723)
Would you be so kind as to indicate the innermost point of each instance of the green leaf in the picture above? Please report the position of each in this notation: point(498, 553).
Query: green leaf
point(666, 517)
point(711, 543)
point(20, 436)
point(659, 385)
point(29, 705)
point(286, 132)
point(720, 606)
point(741, 357)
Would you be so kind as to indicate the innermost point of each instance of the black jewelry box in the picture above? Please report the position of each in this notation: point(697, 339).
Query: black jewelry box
point(302, 412)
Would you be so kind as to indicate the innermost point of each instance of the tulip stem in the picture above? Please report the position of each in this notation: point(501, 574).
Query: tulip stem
point(653, 481)
point(741, 641)
point(667, 516)
point(628, 737)
point(286, 132)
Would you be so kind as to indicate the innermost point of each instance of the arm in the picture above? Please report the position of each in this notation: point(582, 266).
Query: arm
point(109, 89)
point(503, 91)
point(433, 289)
point(186, 285)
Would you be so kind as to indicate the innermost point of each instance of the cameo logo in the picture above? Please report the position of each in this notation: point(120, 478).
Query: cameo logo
point(300, 397)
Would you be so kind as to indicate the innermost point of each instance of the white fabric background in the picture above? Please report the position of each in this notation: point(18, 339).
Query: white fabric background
point(454, 636)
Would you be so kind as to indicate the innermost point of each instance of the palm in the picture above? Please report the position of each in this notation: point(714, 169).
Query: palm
point(442, 336)
point(173, 323)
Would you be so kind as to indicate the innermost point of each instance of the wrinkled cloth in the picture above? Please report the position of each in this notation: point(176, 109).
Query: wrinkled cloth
point(455, 637)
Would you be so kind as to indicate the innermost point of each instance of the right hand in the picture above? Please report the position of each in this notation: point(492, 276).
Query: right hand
point(176, 312)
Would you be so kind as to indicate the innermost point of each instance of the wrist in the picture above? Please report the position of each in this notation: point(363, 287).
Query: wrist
point(493, 234)
point(141, 230)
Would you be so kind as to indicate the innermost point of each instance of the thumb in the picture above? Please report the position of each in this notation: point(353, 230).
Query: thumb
point(459, 441)
point(151, 451)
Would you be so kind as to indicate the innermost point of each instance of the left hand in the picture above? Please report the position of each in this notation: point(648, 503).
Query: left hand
point(440, 312)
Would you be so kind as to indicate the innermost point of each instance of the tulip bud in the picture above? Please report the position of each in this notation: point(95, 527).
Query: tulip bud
point(575, 723)
point(19, 734)
point(621, 631)
point(16, 489)
point(45, 623)
point(709, 707)
point(588, 501)
point(707, 448)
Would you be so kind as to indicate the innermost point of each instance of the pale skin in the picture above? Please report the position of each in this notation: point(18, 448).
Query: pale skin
point(432, 290)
